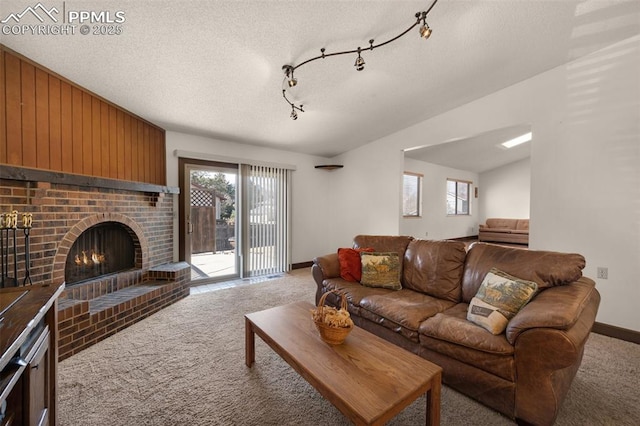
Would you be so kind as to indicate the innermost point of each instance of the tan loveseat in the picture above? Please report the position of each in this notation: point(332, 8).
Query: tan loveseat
point(499, 230)
point(526, 371)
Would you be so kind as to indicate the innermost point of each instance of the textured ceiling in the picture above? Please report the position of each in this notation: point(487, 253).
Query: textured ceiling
point(213, 68)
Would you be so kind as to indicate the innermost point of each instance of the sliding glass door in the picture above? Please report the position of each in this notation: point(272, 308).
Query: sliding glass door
point(235, 220)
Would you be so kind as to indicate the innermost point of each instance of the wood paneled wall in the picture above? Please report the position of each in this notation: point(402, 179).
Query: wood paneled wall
point(50, 123)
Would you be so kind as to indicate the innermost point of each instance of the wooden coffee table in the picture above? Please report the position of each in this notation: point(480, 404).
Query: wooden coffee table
point(367, 378)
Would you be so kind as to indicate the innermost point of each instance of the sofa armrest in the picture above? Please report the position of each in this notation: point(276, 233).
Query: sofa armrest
point(556, 307)
point(324, 267)
point(329, 265)
point(549, 354)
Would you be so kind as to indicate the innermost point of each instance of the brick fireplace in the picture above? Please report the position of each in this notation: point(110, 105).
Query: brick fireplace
point(65, 207)
point(85, 169)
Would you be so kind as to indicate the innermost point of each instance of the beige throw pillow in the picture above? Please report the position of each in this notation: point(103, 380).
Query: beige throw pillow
point(499, 299)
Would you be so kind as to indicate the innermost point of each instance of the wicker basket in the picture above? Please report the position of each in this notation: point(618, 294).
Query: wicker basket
point(329, 334)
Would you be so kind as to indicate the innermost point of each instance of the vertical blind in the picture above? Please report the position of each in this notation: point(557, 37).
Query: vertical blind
point(266, 218)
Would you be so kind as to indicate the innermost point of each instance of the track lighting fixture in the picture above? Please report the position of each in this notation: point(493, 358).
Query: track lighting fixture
point(424, 30)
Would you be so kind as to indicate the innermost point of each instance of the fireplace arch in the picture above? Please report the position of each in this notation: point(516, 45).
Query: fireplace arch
point(140, 244)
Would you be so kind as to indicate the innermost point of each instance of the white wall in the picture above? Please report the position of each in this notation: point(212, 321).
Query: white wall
point(505, 191)
point(309, 188)
point(366, 194)
point(434, 220)
point(585, 178)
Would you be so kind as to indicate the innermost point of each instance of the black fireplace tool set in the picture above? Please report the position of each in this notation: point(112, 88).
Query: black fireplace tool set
point(10, 230)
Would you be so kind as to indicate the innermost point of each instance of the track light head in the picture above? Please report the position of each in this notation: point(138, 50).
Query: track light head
point(425, 31)
point(288, 72)
point(359, 62)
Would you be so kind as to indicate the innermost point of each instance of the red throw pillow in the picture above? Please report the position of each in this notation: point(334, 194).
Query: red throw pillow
point(350, 265)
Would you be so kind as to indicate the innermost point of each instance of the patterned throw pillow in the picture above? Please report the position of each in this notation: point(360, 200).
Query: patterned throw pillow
point(350, 266)
point(380, 270)
point(499, 299)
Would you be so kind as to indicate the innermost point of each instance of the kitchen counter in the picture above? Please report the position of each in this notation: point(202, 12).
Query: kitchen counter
point(28, 354)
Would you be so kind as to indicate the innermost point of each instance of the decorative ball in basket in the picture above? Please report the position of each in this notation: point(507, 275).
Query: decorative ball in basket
point(334, 325)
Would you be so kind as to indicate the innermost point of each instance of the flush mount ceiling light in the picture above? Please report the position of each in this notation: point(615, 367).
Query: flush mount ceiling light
point(424, 31)
point(517, 141)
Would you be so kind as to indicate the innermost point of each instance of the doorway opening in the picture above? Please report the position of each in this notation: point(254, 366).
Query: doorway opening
point(208, 225)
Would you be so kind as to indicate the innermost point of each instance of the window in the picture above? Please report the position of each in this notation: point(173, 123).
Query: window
point(411, 198)
point(458, 197)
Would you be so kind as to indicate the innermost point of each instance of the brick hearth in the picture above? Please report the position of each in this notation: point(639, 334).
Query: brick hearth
point(90, 312)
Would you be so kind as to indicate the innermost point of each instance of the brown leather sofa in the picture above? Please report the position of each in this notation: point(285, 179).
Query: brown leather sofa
point(498, 230)
point(526, 371)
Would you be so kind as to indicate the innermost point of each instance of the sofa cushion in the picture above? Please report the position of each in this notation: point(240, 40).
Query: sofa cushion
point(381, 270)
point(498, 230)
point(499, 299)
point(384, 243)
point(350, 265)
point(545, 268)
point(450, 334)
point(452, 325)
point(435, 268)
point(354, 291)
point(502, 223)
point(402, 311)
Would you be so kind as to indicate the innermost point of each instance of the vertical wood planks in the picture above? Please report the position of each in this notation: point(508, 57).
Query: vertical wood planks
point(13, 109)
point(112, 147)
point(66, 127)
point(55, 124)
point(49, 123)
point(3, 116)
point(42, 119)
point(28, 104)
point(135, 176)
point(95, 135)
point(87, 132)
point(127, 147)
point(120, 143)
point(104, 141)
point(146, 166)
point(76, 115)
point(141, 152)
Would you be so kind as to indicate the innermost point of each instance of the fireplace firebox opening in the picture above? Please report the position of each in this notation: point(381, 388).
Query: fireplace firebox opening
point(102, 249)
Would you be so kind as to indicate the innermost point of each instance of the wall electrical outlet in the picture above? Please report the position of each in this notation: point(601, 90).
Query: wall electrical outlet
point(603, 273)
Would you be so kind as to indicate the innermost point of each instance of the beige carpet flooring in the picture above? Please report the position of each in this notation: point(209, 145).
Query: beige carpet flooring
point(185, 366)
